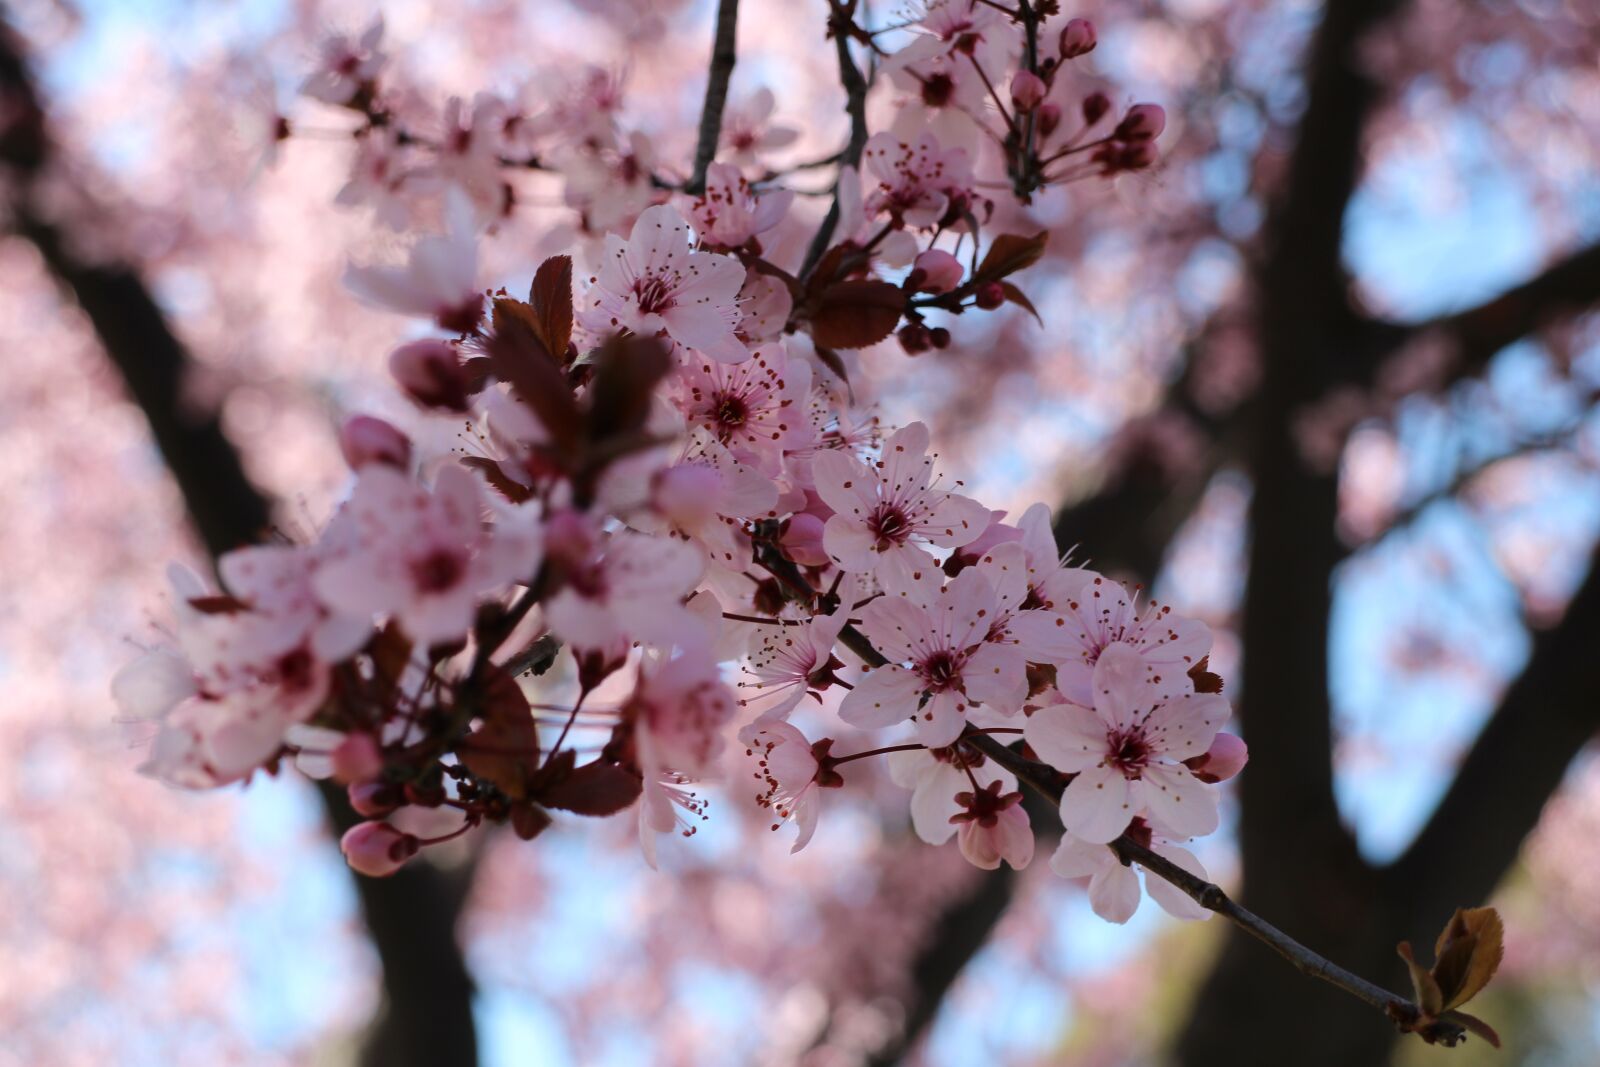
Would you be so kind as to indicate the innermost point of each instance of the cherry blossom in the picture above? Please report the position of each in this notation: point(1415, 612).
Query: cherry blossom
point(347, 67)
point(788, 771)
point(747, 129)
point(882, 513)
point(918, 182)
point(439, 280)
point(936, 776)
point(755, 408)
point(624, 586)
point(425, 558)
point(653, 283)
point(1102, 615)
point(1126, 751)
point(1114, 887)
point(993, 827)
point(730, 213)
point(940, 663)
point(786, 661)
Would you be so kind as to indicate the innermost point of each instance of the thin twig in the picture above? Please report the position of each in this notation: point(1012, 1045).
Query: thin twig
point(723, 56)
point(855, 88)
point(1210, 896)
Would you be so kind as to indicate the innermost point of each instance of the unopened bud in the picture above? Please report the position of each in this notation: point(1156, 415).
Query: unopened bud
point(357, 758)
point(1047, 119)
point(941, 272)
point(364, 439)
point(1143, 122)
point(1077, 38)
point(377, 849)
point(939, 337)
point(430, 372)
point(1095, 106)
point(914, 338)
point(1027, 90)
point(990, 295)
point(1225, 758)
point(375, 799)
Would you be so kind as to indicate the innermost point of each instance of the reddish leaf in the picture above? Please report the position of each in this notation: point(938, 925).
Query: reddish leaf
point(520, 359)
point(1468, 953)
point(551, 301)
point(504, 749)
point(529, 820)
point(1017, 297)
point(856, 313)
point(831, 360)
point(626, 372)
point(597, 788)
point(1010, 253)
point(1475, 1025)
point(217, 604)
point(390, 651)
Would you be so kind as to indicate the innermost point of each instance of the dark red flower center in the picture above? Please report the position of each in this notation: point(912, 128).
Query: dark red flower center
point(438, 571)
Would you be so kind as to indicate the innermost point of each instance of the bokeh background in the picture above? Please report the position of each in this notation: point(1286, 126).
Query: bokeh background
point(1325, 379)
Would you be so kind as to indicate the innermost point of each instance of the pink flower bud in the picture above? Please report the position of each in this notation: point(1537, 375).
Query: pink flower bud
point(802, 541)
point(364, 439)
point(1225, 758)
point(1143, 122)
point(941, 272)
point(357, 758)
point(1095, 106)
point(1077, 38)
point(990, 295)
point(377, 849)
point(1048, 119)
point(375, 799)
point(430, 372)
point(1027, 90)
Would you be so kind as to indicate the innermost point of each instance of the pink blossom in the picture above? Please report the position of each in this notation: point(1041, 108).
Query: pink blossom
point(377, 849)
point(916, 182)
point(626, 586)
point(1027, 90)
point(941, 272)
point(940, 663)
point(652, 283)
point(364, 439)
point(439, 280)
point(1102, 615)
point(425, 558)
point(786, 767)
point(730, 213)
point(755, 408)
point(1127, 752)
point(881, 514)
point(1225, 758)
point(993, 827)
point(378, 179)
point(346, 67)
point(678, 712)
point(1114, 888)
point(748, 131)
point(1077, 38)
point(784, 664)
point(430, 372)
point(611, 187)
point(936, 776)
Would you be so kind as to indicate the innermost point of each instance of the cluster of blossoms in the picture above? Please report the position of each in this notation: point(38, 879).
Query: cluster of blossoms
point(673, 509)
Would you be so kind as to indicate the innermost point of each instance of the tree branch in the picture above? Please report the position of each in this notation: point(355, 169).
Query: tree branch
point(1210, 896)
point(1547, 715)
point(840, 24)
point(723, 56)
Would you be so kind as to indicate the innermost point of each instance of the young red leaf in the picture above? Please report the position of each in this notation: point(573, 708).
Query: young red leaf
point(504, 749)
point(551, 301)
point(1017, 297)
point(856, 313)
point(1010, 253)
point(596, 788)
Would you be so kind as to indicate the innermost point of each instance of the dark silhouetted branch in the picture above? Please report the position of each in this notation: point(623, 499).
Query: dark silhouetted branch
point(723, 56)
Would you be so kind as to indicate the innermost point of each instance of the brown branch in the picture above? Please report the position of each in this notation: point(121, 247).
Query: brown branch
point(427, 1018)
point(723, 56)
point(840, 25)
point(1213, 898)
point(1547, 715)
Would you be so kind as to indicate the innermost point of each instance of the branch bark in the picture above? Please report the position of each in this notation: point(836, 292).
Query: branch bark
point(724, 54)
point(427, 1017)
point(840, 21)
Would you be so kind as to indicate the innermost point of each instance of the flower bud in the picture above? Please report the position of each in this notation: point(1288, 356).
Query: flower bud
point(939, 337)
point(802, 540)
point(941, 272)
point(375, 799)
point(364, 439)
point(1095, 106)
point(1077, 38)
point(1143, 122)
point(1048, 119)
point(430, 372)
point(914, 338)
point(1225, 758)
point(377, 849)
point(990, 295)
point(357, 758)
point(1027, 90)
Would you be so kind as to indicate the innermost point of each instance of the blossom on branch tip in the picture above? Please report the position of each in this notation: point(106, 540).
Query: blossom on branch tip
point(993, 827)
point(1114, 887)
